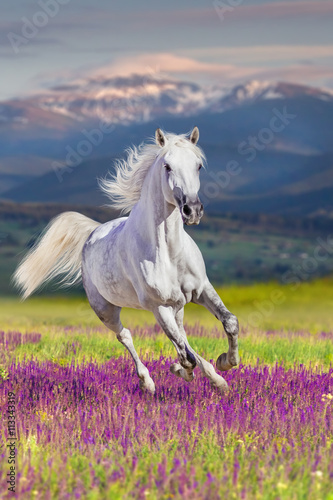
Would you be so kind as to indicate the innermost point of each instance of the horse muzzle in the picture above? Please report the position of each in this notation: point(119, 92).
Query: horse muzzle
point(192, 212)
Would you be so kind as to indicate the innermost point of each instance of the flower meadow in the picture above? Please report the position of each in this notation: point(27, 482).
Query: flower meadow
point(85, 429)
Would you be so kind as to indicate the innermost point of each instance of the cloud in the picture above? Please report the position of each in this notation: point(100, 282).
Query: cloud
point(260, 53)
point(186, 68)
point(178, 66)
point(168, 63)
point(6, 49)
point(105, 18)
point(298, 73)
point(202, 16)
point(162, 64)
point(278, 10)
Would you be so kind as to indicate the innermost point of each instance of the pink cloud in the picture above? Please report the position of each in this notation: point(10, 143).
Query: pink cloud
point(259, 54)
point(171, 64)
point(300, 73)
point(168, 65)
point(175, 65)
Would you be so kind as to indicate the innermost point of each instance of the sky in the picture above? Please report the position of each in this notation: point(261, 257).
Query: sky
point(47, 42)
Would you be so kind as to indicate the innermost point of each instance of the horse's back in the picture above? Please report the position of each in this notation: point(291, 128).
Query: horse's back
point(106, 230)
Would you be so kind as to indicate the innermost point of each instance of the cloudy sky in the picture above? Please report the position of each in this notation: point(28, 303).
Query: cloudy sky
point(225, 41)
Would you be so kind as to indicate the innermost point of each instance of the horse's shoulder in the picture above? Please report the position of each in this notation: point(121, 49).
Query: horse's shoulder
point(190, 244)
point(194, 260)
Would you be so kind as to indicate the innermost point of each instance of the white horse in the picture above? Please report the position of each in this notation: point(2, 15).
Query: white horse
point(144, 261)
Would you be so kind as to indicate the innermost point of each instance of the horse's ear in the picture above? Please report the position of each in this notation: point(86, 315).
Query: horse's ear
point(194, 135)
point(160, 138)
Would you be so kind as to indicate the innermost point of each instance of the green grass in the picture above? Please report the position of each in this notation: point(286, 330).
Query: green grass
point(57, 346)
point(307, 306)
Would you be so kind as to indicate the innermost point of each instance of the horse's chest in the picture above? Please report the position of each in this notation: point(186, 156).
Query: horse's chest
point(163, 282)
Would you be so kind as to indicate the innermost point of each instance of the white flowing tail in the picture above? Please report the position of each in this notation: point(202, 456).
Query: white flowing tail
point(58, 252)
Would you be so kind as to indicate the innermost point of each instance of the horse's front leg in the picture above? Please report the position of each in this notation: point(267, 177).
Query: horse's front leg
point(177, 368)
point(211, 300)
point(188, 358)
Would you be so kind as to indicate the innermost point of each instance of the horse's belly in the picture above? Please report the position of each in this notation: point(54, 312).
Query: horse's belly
point(114, 286)
point(127, 299)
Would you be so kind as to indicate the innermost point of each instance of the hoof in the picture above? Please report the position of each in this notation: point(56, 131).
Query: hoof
point(147, 385)
point(175, 369)
point(221, 385)
point(180, 372)
point(223, 364)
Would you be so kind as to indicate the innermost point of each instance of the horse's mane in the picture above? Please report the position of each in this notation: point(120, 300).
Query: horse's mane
point(124, 187)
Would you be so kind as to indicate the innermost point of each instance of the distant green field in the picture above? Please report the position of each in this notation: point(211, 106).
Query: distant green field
point(236, 248)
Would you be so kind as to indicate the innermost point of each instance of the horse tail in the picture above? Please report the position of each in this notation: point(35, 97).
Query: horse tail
point(58, 252)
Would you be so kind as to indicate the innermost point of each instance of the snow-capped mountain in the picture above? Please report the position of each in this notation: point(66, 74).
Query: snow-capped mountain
point(138, 99)
point(288, 170)
point(255, 90)
point(135, 99)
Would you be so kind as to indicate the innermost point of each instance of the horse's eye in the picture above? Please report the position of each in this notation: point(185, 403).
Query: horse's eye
point(200, 167)
point(167, 167)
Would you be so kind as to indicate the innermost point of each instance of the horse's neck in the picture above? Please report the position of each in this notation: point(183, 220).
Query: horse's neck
point(156, 220)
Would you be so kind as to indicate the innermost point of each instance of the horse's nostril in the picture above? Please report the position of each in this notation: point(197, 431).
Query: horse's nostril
point(201, 207)
point(186, 210)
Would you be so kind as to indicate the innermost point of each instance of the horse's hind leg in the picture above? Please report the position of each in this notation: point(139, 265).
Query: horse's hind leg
point(109, 314)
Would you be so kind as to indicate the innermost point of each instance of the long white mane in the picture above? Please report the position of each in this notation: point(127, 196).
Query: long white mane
point(124, 187)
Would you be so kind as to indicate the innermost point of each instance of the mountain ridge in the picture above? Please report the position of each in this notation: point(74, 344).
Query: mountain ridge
point(140, 98)
point(277, 165)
